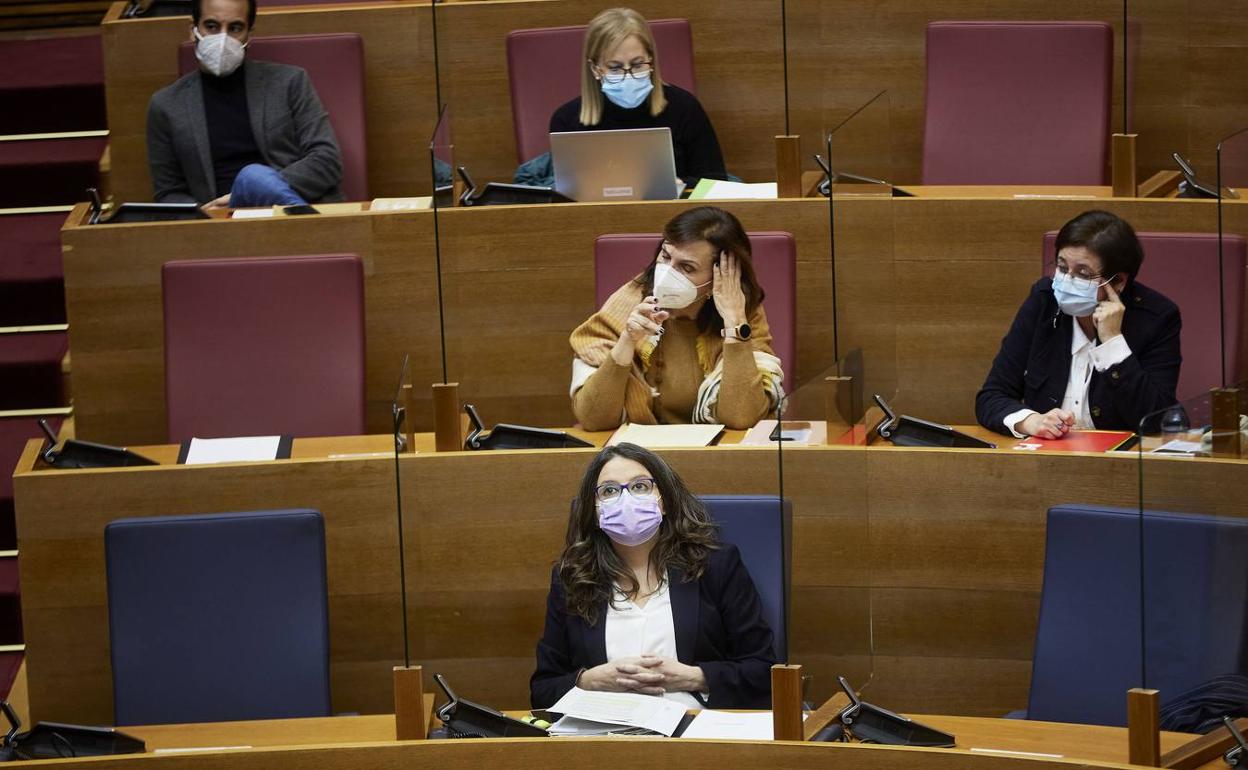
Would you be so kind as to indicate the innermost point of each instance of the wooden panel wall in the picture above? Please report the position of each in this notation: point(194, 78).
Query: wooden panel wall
point(527, 754)
point(1183, 70)
point(915, 570)
point(113, 296)
point(925, 287)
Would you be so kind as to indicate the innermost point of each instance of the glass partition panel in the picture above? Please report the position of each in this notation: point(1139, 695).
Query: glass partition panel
point(1193, 483)
point(1233, 165)
point(402, 424)
point(442, 159)
point(441, 165)
point(821, 445)
point(1232, 153)
point(863, 274)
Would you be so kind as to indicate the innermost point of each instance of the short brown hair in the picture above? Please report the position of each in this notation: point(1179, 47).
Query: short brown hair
point(724, 232)
point(1110, 237)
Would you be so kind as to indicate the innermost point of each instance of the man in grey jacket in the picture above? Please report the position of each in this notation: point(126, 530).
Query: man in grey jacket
point(239, 134)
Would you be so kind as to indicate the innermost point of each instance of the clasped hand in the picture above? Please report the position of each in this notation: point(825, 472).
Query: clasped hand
point(646, 674)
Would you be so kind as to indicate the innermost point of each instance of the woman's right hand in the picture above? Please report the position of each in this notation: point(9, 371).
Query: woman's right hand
point(644, 322)
point(624, 675)
point(1054, 423)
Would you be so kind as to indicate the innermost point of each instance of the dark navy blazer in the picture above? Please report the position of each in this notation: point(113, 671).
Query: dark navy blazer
point(1033, 366)
point(719, 627)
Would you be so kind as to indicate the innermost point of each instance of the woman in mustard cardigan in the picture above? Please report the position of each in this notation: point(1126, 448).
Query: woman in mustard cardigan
point(684, 341)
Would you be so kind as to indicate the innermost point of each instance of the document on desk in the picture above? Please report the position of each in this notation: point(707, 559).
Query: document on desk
point(728, 725)
point(720, 190)
point(244, 449)
point(599, 713)
point(659, 436)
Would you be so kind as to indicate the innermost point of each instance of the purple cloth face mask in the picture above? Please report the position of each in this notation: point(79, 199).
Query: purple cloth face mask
point(630, 520)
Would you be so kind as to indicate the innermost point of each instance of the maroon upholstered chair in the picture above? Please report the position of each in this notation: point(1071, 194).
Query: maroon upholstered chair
point(1184, 267)
point(335, 64)
point(32, 282)
point(619, 258)
point(52, 84)
point(264, 346)
point(1017, 102)
point(544, 66)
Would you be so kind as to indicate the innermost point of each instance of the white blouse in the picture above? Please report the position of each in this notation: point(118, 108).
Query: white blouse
point(648, 630)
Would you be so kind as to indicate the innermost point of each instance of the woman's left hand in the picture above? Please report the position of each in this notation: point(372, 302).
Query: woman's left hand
point(1108, 315)
point(726, 290)
point(677, 677)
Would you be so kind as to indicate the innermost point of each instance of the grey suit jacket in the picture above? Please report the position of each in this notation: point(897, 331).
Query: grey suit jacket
point(290, 125)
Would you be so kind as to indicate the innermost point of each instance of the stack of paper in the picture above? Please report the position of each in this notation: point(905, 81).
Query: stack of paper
point(659, 436)
point(731, 725)
point(718, 189)
point(245, 449)
point(603, 713)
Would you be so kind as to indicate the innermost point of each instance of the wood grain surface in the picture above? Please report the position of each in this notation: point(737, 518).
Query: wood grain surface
point(926, 287)
point(1187, 89)
point(916, 573)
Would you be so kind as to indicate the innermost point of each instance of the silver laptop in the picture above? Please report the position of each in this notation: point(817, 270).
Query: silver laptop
point(635, 164)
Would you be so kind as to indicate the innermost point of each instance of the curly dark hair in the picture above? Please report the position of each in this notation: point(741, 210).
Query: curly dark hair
point(589, 566)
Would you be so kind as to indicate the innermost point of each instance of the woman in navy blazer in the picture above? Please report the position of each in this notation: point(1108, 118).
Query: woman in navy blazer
point(1090, 347)
point(638, 538)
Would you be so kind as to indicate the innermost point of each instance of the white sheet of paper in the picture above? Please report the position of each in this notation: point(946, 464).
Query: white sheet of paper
point(723, 190)
point(656, 436)
point(251, 213)
point(751, 726)
point(244, 449)
point(1178, 446)
point(401, 204)
point(621, 708)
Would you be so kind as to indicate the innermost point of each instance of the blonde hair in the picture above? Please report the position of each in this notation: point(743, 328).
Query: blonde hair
point(605, 32)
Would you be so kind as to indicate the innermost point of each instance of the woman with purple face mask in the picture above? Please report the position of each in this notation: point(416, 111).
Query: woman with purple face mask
point(646, 599)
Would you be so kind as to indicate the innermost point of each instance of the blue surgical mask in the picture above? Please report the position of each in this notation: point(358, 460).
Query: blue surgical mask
point(1076, 296)
point(629, 92)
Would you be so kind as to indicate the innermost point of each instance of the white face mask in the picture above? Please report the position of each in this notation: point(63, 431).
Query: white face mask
point(219, 54)
point(673, 290)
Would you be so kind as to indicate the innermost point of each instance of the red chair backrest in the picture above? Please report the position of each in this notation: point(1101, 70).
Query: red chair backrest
point(618, 258)
point(335, 64)
point(1184, 267)
point(264, 346)
point(544, 66)
point(1017, 102)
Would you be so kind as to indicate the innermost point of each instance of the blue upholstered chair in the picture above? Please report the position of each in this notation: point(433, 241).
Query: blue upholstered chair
point(218, 617)
point(1195, 600)
point(762, 530)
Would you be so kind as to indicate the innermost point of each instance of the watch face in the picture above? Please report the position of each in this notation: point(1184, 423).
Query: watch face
point(743, 331)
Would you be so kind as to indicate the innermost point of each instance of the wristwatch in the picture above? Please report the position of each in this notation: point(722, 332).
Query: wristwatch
point(741, 332)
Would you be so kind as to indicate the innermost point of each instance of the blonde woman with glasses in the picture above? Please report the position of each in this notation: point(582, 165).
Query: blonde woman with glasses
point(621, 88)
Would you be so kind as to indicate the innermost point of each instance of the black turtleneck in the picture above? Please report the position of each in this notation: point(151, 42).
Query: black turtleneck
point(693, 137)
point(229, 126)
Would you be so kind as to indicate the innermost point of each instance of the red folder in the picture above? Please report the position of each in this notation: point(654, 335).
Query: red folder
point(1077, 441)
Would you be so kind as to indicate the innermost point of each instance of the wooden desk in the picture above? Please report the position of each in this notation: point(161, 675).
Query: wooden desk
point(926, 287)
point(917, 568)
point(1188, 89)
point(366, 742)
